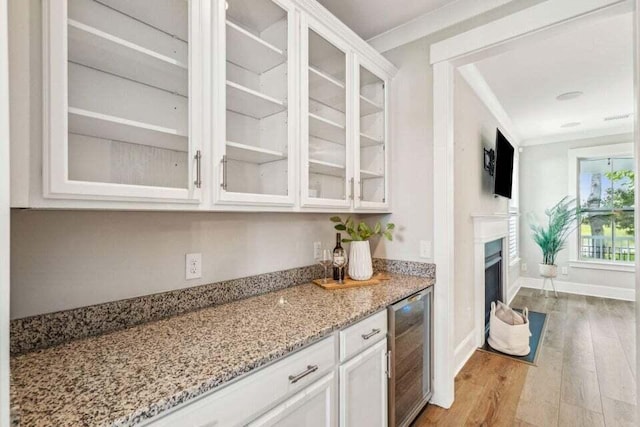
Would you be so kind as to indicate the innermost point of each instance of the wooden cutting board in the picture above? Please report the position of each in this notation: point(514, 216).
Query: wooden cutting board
point(350, 283)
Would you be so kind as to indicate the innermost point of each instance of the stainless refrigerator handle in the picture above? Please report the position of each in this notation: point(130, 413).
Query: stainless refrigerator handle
point(310, 369)
point(389, 364)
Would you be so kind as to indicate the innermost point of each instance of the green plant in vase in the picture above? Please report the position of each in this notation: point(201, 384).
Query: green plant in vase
point(360, 264)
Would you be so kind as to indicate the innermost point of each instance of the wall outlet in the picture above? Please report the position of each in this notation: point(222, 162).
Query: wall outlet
point(193, 266)
point(317, 247)
point(523, 267)
point(425, 249)
point(565, 271)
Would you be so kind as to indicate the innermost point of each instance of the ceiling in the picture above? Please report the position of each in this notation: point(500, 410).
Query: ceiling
point(595, 58)
point(369, 18)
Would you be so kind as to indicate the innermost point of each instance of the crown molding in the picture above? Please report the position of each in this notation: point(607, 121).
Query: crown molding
point(432, 22)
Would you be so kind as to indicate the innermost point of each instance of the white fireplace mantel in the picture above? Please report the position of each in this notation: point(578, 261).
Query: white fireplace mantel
point(487, 228)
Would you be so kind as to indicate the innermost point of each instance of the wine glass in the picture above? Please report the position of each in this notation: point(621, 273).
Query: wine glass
point(325, 260)
point(339, 261)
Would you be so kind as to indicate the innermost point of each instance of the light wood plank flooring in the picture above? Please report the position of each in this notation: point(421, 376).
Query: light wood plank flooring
point(585, 373)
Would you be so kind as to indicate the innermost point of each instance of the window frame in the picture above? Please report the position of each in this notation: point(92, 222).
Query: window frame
point(624, 149)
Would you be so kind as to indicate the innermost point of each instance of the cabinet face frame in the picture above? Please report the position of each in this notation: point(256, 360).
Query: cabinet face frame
point(359, 203)
point(56, 183)
point(219, 112)
point(308, 24)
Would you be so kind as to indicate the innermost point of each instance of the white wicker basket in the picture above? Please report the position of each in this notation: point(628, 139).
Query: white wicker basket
point(509, 330)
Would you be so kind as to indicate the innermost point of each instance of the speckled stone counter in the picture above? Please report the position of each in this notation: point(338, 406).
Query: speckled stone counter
point(124, 377)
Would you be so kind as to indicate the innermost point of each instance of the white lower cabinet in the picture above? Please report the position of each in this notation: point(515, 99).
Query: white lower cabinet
point(309, 388)
point(363, 388)
point(312, 407)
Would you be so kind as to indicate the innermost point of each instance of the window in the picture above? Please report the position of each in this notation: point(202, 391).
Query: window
point(514, 212)
point(606, 196)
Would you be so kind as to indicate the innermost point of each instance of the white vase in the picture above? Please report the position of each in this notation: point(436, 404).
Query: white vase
point(547, 270)
point(360, 266)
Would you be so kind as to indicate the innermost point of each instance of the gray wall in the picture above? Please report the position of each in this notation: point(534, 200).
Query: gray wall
point(475, 129)
point(544, 174)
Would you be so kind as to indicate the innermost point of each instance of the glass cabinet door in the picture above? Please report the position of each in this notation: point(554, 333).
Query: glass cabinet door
point(256, 160)
point(123, 113)
point(371, 155)
point(326, 163)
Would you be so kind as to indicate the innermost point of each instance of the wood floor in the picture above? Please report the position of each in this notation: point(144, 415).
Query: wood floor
point(585, 373)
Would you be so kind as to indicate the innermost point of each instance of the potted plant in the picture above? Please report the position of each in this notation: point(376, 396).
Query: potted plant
point(562, 220)
point(360, 265)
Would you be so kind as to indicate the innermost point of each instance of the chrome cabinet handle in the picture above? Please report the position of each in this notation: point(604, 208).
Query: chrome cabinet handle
point(352, 180)
point(223, 162)
point(370, 334)
point(310, 369)
point(198, 181)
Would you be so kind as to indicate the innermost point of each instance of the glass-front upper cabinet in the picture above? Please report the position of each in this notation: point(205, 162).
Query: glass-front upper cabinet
point(256, 129)
point(123, 86)
point(326, 158)
point(371, 154)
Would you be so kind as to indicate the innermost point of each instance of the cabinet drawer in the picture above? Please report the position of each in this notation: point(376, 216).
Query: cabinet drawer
point(362, 335)
point(251, 396)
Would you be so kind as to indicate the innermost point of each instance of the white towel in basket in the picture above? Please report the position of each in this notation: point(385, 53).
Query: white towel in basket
point(509, 330)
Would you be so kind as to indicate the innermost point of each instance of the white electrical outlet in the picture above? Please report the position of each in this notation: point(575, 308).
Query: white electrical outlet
point(193, 266)
point(317, 247)
point(565, 271)
point(425, 249)
point(523, 267)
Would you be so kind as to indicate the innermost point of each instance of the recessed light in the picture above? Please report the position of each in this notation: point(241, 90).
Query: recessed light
point(570, 124)
point(569, 95)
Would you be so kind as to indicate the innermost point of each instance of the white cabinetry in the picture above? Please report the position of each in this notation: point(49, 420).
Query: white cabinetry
point(312, 407)
point(363, 388)
point(253, 105)
point(123, 99)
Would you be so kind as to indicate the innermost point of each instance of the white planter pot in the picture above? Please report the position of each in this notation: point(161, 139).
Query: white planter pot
point(360, 266)
point(547, 270)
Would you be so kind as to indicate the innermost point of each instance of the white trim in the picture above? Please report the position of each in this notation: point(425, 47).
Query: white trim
point(464, 351)
point(443, 229)
point(479, 85)
point(543, 16)
point(612, 292)
point(610, 266)
point(585, 134)
point(513, 290)
point(432, 22)
point(4, 217)
point(511, 32)
point(575, 154)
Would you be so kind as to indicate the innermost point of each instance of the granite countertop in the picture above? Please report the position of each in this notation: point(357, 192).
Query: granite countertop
point(124, 377)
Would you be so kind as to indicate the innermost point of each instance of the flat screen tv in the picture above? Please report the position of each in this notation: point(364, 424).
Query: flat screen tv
point(503, 176)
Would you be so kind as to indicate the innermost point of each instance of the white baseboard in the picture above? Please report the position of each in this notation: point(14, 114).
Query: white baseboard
point(512, 290)
point(582, 289)
point(464, 351)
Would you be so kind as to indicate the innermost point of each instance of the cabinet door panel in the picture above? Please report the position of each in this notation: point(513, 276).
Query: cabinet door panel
point(255, 123)
point(326, 153)
point(372, 148)
point(123, 99)
point(363, 388)
point(312, 407)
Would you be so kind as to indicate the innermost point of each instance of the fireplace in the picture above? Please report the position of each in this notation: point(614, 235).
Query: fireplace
point(492, 278)
point(490, 233)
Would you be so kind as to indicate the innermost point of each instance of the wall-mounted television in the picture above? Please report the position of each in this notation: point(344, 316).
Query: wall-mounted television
point(503, 176)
